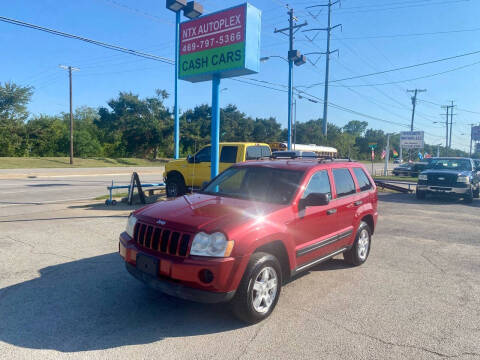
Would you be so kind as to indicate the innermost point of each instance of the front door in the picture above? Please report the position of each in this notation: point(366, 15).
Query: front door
point(315, 225)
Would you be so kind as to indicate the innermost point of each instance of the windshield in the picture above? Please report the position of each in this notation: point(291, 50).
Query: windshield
point(256, 183)
point(451, 164)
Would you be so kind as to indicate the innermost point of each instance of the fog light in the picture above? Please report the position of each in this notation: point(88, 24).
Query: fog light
point(205, 276)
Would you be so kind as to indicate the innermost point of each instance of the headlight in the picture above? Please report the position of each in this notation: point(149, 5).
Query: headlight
point(463, 179)
point(215, 245)
point(132, 220)
point(422, 177)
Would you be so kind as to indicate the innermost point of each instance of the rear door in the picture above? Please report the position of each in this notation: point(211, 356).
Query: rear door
point(228, 156)
point(315, 225)
point(345, 201)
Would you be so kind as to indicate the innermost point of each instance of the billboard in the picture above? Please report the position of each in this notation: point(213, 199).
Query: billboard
point(412, 139)
point(224, 43)
point(476, 133)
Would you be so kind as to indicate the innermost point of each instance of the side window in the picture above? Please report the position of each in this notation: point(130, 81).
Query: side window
point(343, 182)
point(228, 154)
point(203, 155)
point(319, 183)
point(362, 178)
point(266, 151)
point(253, 152)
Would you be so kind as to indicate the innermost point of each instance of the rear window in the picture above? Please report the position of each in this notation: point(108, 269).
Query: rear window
point(229, 154)
point(343, 182)
point(362, 178)
point(256, 152)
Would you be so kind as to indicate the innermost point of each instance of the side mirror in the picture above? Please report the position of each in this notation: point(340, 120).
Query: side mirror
point(314, 199)
point(190, 159)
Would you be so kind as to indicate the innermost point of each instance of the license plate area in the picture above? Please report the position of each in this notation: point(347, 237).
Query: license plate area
point(147, 264)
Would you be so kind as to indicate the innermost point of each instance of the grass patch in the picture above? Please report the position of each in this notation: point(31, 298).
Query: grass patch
point(64, 162)
point(396, 178)
point(105, 197)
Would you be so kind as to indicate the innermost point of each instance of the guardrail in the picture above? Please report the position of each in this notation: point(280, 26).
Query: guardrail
point(389, 184)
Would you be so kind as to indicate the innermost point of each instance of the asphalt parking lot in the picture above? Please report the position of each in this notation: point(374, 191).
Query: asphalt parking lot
point(64, 292)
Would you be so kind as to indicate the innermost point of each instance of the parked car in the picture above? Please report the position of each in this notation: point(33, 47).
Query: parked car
point(192, 172)
point(458, 177)
point(251, 229)
point(410, 169)
point(397, 161)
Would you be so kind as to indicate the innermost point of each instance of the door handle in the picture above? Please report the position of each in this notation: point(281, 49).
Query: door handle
point(331, 211)
point(358, 203)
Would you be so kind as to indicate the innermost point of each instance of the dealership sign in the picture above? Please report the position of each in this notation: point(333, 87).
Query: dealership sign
point(223, 44)
point(412, 139)
point(476, 133)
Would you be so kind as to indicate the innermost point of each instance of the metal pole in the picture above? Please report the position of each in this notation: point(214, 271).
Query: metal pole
point(327, 69)
point(451, 126)
point(215, 125)
point(446, 133)
point(387, 156)
point(471, 139)
point(176, 126)
point(71, 116)
point(295, 125)
point(414, 102)
point(438, 150)
point(290, 80)
point(401, 154)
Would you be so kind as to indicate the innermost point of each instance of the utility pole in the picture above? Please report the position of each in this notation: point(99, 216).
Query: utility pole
point(451, 125)
point(294, 57)
point(387, 156)
point(414, 103)
point(447, 107)
point(70, 69)
point(328, 29)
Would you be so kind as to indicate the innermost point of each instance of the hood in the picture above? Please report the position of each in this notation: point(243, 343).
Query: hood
point(446, 172)
point(201, 212)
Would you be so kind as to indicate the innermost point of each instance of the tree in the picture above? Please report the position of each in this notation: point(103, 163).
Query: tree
point(13, 112)
point(355, 127)
point(136, 127)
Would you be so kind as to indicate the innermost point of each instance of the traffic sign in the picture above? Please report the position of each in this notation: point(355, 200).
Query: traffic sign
point(372, 145)
point(223, 44)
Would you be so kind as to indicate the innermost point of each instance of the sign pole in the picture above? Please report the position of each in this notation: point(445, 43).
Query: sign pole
point(176, 127)
point(215, 125)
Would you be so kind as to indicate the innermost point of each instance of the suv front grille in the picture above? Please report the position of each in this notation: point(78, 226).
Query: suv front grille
point(162, 240)
point(442, 179)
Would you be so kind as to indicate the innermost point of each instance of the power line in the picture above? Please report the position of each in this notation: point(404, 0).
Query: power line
point(94, 42)
point(400, 68)
point(391, 36)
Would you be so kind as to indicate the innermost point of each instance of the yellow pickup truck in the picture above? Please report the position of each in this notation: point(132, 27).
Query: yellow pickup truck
point(192, 172)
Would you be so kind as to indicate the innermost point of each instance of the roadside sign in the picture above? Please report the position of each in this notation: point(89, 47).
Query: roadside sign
point(372, 145)
point(476, 133)
point(412, 139)
point(225, 44)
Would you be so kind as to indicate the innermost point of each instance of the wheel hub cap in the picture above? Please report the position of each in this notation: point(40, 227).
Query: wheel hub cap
point(264, 290)
point(363, 244)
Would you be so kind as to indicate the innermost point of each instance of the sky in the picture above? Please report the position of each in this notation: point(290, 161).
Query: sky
point(376, 35)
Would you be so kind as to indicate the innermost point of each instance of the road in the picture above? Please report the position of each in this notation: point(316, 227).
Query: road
point(42, 186)
point(64, 292)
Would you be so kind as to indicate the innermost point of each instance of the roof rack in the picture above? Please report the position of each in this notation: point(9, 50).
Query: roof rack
point(332, 159)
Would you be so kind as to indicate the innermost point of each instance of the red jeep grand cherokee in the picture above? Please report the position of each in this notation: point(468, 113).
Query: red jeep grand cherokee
point(250, 229)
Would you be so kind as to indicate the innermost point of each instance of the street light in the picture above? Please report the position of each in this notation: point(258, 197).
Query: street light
point(193, 10)
point(190, 8)
point(294, 57)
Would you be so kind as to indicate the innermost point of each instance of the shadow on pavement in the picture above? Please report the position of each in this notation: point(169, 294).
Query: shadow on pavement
point(93, 304)
point(430, 200)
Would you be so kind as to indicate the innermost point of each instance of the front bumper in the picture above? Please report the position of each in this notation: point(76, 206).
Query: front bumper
point(180, 277)
point(179, 290)
point(455, 191)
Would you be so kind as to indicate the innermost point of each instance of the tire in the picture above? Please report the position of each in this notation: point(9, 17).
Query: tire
point(476, 192)
point(360, 249)
point(468, 198)
point(420, 194)
point(175, 185)
point(243, 304)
